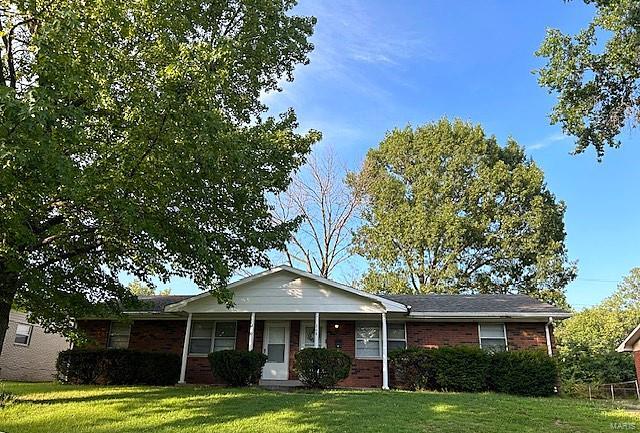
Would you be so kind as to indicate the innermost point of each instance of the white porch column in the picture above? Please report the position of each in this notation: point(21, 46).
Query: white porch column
point(385, 363)
point(547, 333)
point(185, 350)
point(316, 331)
point(252, 331)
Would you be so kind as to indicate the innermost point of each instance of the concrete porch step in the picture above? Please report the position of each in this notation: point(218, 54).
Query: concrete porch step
point(280, 385)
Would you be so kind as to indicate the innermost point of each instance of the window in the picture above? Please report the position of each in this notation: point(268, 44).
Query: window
point(211, 337)
point(307, 335)
point(119, 335)
point(23, 334)
point(493, 336)
point(396, 336)
point(368, 338)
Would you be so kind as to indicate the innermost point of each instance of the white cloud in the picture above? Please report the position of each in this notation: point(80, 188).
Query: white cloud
point(548, 141)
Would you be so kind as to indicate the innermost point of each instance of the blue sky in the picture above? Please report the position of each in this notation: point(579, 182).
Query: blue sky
point(380, 65)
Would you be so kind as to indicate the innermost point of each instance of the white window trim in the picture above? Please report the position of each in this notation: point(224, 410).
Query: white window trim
point(379, 339)
point(213, 336)
point(111, 334)
point(396, 339)
point(504, 333)
point(311, 324)
point(28, 335)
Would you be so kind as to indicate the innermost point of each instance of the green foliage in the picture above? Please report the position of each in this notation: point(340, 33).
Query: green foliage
point(524, 372)
point(470, 369)
point(322, 368)
point(133, 140)
point(449, 210)
point(117, 367)
point(139, 288)
point(587, 341)
point(462, 368)
point(598, 84)
point(237, 367)
point(413, 368)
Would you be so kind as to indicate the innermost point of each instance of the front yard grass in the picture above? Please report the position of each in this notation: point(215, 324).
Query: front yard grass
point(54, 408)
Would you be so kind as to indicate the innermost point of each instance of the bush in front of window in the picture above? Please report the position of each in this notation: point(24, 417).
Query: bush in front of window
point(461, 368)
point(528, 372)
point(117, 367)
point(237, 367)
point(322, 368)
point(413, 368)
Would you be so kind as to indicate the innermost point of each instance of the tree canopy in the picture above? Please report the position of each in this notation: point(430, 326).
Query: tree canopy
point(597, 83)
point(133, 140)
point(448, 210)
point(138, 288)
point(587, 341)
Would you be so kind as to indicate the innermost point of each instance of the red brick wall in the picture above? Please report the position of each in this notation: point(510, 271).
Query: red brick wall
point(158, 335)
point(365, 373)
point(526, 335)
point(436, 334)
point(636, 356)
point(97, 331)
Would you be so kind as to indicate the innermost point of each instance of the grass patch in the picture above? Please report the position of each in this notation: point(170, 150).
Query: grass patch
point(57, 408)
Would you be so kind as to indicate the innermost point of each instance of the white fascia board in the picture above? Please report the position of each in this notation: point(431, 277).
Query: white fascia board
point(630, 341)
point(488, 315)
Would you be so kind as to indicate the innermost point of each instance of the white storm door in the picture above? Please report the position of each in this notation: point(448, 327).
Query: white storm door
point(276, 347)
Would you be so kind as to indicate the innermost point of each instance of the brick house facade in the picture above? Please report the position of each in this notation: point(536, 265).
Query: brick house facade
point(632, 344)
point(193, 326)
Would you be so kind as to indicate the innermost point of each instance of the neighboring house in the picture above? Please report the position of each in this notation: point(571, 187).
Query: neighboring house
point(28, 353)
point(632, 344)
point(284, 310)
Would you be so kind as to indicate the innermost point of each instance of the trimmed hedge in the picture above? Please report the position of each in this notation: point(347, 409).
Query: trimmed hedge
point(236, 367)
point(462, 368)
point(413, 368)
point(322, 368)
point(470, 369)
point(117, 367)
point(524, 372)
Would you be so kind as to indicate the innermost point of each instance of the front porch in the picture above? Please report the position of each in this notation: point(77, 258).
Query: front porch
point(280, 338)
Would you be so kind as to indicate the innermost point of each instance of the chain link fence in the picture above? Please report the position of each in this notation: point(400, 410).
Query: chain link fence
point(615, 391)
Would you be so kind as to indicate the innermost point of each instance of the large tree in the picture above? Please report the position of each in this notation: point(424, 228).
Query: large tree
point(328, 211)
point(596, 75)
point(133, 139)
point(448, 210)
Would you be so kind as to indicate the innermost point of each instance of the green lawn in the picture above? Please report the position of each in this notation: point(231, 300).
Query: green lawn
point(52, 408)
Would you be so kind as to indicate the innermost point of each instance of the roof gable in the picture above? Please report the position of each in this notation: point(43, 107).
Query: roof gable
point(286, 289)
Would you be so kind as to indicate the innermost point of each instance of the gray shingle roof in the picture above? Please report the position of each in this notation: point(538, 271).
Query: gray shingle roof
point(474, 304)
point(158, 302)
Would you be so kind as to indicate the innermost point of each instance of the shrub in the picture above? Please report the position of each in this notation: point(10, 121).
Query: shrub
point(524, 372)
point(461, 368)
point(413, 368)
point(117, 367)
point(237, 368)
point(322, 368)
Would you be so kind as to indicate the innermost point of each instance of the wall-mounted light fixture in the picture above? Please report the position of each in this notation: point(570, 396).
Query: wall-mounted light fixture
point(336, 325)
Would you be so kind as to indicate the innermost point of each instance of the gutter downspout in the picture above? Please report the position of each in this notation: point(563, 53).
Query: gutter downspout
point(547, 331)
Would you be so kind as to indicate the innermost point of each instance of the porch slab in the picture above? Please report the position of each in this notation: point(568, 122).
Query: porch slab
point(280, 385)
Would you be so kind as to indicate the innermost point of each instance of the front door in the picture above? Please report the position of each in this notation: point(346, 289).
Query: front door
point(276, 347)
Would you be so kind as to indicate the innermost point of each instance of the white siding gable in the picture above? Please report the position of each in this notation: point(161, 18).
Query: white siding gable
point(288, 292)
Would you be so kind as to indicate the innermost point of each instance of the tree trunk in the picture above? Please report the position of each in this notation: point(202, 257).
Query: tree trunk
point(8, 289)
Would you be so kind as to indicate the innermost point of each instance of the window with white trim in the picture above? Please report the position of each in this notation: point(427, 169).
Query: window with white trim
point(23, 334)
point(396, 336)
point(369, 336)
point(307, 335)
point(493, 336)
point(119, 335)
point(208, 336)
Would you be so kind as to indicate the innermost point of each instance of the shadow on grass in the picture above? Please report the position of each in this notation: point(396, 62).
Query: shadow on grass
point(208, 409)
